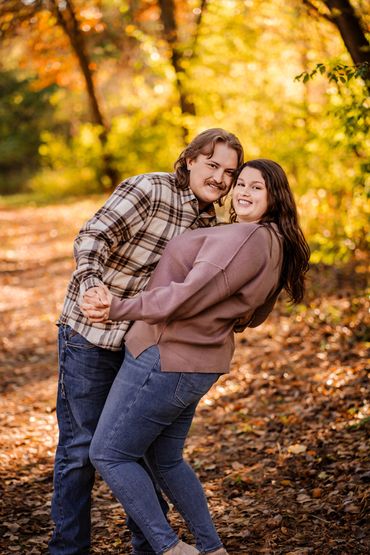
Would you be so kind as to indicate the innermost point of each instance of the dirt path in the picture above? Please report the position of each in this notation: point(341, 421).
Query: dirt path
point(281, 444)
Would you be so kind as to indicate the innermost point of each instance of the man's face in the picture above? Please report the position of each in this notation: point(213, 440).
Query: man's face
point(211, 178)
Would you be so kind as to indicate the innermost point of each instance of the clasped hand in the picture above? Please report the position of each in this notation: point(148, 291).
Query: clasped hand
point(96, 303)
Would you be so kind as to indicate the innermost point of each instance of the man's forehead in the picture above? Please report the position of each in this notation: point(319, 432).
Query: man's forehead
point(213, 152)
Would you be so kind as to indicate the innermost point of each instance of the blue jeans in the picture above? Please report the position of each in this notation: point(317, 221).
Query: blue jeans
point(86, 373)
point(148, 414)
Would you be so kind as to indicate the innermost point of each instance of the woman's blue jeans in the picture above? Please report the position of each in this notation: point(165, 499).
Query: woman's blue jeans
point(86, 373)
point(148, 414)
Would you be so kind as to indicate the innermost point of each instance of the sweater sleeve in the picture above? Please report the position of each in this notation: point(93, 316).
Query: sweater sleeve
point(204, 286)
point(260, 314)
point(119, 219)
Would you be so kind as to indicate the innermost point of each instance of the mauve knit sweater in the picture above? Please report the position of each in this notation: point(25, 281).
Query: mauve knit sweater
point(206, 281)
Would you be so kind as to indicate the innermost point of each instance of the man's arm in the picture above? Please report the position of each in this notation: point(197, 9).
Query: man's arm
point(115, 223)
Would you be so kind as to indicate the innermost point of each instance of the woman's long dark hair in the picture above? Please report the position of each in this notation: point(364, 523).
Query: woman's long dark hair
point(282, 210)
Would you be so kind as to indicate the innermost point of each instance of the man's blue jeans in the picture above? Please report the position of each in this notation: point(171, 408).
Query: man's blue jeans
point(149, 413)
point(86, 373)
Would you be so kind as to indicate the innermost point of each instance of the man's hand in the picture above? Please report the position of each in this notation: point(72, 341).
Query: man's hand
point(96, 303)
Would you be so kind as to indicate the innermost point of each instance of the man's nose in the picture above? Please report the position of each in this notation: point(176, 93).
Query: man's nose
point(219, 175)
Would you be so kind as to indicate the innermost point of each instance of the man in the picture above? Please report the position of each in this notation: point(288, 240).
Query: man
point(120, 246)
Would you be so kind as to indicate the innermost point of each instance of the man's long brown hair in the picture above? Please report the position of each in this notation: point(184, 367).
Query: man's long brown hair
point(282, 210)
point(205, 143)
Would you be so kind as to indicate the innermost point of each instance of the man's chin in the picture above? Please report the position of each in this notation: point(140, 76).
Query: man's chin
point(211, 199)
point(216, 194)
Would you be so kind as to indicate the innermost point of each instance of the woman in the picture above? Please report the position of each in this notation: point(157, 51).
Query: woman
point(208, 282)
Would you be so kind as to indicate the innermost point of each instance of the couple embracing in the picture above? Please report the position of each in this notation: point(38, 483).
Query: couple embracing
point(148, 327)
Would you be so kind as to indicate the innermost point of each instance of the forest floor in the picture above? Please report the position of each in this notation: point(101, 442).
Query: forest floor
point(281, 444)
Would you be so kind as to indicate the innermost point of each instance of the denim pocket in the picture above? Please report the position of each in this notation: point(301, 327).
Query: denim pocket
point(77, 341)
point(192, 386)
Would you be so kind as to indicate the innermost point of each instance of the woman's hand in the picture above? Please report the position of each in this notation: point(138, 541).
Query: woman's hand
point(96, 303)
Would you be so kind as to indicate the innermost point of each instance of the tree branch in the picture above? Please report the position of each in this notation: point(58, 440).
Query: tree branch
point(311, 7)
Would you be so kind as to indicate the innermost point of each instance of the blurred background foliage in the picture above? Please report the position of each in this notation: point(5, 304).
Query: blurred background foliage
point(95, 91)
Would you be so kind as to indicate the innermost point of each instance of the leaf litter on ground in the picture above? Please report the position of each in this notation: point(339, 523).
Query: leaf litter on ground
point(281, 444)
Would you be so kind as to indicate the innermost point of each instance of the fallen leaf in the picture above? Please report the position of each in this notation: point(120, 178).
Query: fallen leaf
point(297, 449)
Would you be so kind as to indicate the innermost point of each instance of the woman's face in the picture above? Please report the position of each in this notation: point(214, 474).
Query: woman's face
point(250, 196)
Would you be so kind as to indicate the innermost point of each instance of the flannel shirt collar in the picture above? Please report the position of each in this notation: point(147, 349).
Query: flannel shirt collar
point(187, 195)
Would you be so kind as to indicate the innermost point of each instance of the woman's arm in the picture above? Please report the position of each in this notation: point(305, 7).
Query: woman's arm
point(259, 315)
point(205, 285)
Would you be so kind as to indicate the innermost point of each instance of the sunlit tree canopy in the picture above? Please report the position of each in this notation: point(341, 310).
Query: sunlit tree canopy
point(117, 87)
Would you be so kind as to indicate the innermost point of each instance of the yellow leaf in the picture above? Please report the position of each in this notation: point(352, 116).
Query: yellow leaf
point(297, 449)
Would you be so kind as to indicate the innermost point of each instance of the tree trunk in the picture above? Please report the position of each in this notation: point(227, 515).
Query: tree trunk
point(349, 25)
point(66, 18)
point(167, 9)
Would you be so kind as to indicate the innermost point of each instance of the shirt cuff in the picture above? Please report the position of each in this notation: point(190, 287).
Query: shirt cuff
point(88, 283)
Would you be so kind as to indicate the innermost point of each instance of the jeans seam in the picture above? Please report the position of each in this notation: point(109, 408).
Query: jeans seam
point(59, 504)
point(174, 498)
point(129, 407)
point(133, 503)
point(64, 401)
point(66, 407)
point(62, 357)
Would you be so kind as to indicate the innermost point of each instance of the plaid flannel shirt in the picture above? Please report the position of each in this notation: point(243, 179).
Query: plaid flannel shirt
point(122, 243)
